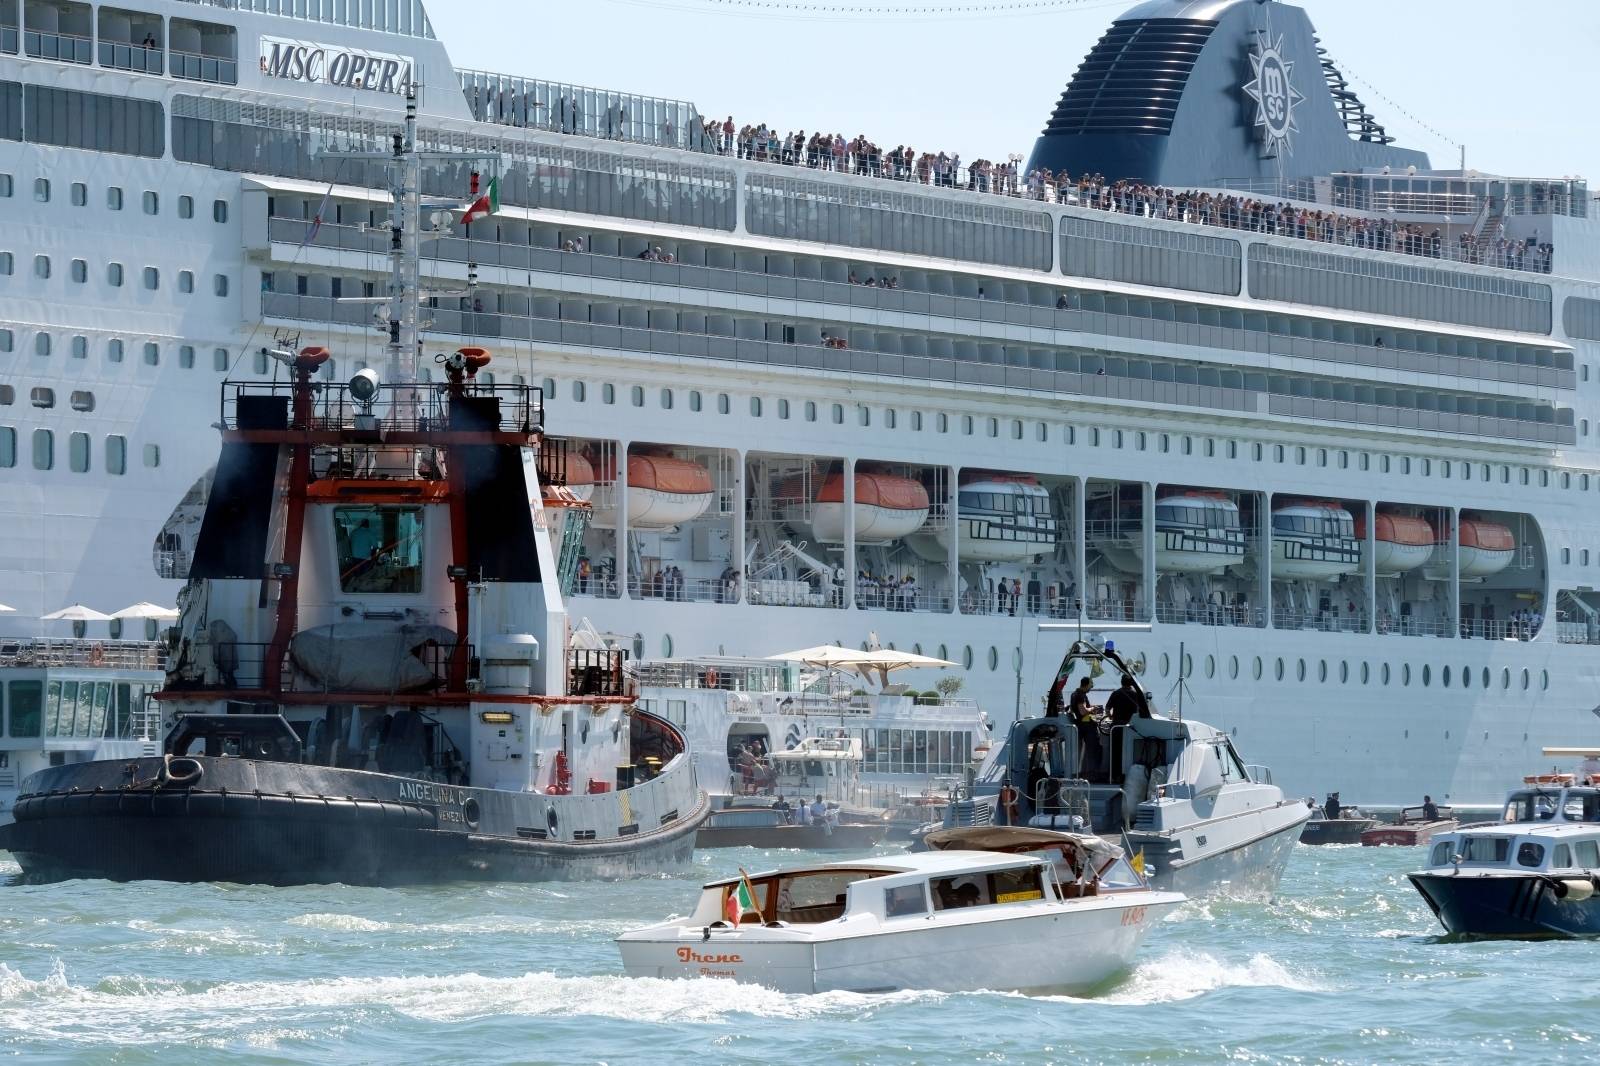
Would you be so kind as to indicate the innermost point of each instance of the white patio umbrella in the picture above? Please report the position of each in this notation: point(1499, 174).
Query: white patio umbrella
point(824, 655)
point(7, 610)
point(883, 660)
point(76, 613)
point(147, 610)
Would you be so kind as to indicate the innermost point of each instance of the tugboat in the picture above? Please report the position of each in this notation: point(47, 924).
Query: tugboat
point(370, 674)
point(1535, 873)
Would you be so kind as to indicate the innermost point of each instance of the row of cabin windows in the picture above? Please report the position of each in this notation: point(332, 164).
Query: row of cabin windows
point(1136, 440)
point(116, 351)
point(79, 449)
point(150, 200)
point(1323, 671)
point(78, 271)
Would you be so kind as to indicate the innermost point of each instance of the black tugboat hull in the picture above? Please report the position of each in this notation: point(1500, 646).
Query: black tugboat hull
point(287, 824)
point(1530, 906)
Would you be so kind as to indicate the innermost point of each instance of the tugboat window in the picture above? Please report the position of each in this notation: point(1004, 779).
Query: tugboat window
point(1530, 854)
point(380, 549)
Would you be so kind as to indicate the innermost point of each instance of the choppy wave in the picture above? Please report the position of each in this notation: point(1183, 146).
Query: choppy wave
point(1183, 974)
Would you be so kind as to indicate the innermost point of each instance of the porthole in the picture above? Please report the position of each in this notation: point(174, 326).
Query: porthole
point(1405, 674)
point(1427, 674)
point(1466, 677)
point(1188, 665)
point(1278, 670)
point(1544, 680)
point(966, 657)
point(944, 653)
point(1344, 672)
point(1322, 670)
point(1256, 668)
point(1444, 677)
point(1016, 658)
point(666, 645)
point(1525, 679)
point(1366, 673)
point(1233, 667)
point(1166, 664)
point(1300, 670)
point(1505, 677)
point(1211, 666)
point(994, 658)
point(1385, 673)
point(916, 649)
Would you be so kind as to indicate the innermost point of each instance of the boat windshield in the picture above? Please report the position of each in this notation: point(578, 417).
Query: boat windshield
point(380, 549)
point(809, 896)
point(987, 889)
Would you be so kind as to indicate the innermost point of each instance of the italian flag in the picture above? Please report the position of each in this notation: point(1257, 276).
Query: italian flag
point(484, 205)
point(741, 900)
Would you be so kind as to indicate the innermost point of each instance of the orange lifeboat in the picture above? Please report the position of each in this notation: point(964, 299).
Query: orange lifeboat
point(1486, 547)
point(887, 508)
point(663, 491)
point(1401, 542)
point(580, 477)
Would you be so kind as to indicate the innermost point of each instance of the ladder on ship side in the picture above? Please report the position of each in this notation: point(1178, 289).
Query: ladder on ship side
point(576, 524)
point(144, 724)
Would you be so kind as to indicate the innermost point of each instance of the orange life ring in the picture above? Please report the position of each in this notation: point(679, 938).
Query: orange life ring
point(97, 654)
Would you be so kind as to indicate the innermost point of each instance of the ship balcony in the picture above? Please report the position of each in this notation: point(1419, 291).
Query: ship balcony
point(131, 40)
point(58, 29)
point(10, 33)
point(79, 653)
point(205, 52)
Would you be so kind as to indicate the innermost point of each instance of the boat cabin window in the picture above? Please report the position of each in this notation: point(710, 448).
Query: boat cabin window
point(1530, 854)
point(814, 896)
point(1441, 854)
point(902, 900)
point(380, 548)
point(982, 890)
point(1563, 858)
point(1588, 853)
point(1485, 849)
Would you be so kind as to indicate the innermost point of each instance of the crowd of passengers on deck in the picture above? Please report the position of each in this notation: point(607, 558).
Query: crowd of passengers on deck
point(832, 152)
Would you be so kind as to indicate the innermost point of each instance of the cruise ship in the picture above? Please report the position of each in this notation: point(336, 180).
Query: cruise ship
point(1221, 358)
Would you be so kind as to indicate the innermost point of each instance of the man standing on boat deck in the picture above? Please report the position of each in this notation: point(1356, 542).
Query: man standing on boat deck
point(1127, 703)
point(1088, 726)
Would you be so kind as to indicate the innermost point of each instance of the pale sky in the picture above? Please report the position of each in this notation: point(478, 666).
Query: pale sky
point(1514, 82)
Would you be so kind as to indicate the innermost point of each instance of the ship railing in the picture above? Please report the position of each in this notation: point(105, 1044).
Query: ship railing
point(172, 564)
point(67, 47)
point(1063, 797)
point(1201, 613)
point(1577, 633)
point(198, 66)
point(83, 653)
point(968, 373)
point(292, 231)
point(1329, 621)
point(1261, 775)
point(690, 590)
point(879, 599)
point(1497, 629)
point(419, 408)
point(581, 110)
point(1413, 626)
point(125, 55)
point(597, 672)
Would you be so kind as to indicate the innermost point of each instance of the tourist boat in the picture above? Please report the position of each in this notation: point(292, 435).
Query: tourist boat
point(1534, 874)
point(887, 508)
point(663, 491)
point(950, 921)
point(1486, 547)
point(1320, 829)
point(1002, 517)
point(1175, 790)
point(1412, 828)
point(1400, 542)
point(371, 677)
point(822, 770)
point(1314, 541)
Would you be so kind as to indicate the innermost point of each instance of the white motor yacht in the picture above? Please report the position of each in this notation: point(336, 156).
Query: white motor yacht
point(948, 921)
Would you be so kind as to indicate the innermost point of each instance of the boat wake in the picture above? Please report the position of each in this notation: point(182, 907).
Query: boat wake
point(482, 925)
point(1182, 975)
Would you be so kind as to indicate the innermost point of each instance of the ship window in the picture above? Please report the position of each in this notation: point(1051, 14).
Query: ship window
point(8, 263)
point(811, 411)
point(1256, 668)
point(1544, 479)
point(152, 278)
point(1384, 673)
point(1140, 440)
point(8, 395)
point(1233, 667)
point(114, 275)
point(666, 399)
point(1505, 475)
point(863, 414)
point(1211, 666)
point(1566, 480)
point(1405, 464)
point(8, 447)
point(916, 421)
point(755, 407)
point(1044, 432)
point(1427, 675)
point(41, 344)
point(25, 704)
point(724, 405)
point(1300, 456)
point(80, 271)
point(1444, 676)
point(1364, 461)
point(838, 414)
point(1441, 855)
point(666, 645)
point(186, 356)
point(994, 658)
point(152, 455)
point(636, 395)
point(1526, 679)
point(1530, 854)
point(1544, 680)
point(116, 454)
point(1300, 671)
point(219, 284)
point(78, 452)
point(42, 396)
point(41, 266)
point(1562, 859)
point(1278, 670)
point(80, 194)
point(966, 657)
point(219, 210)
point(379, 549)
point(5, 186)
point(219, 360)
point(114, 350)
point(943, 423)
point(1366, 673)
point(186, 281)
point(152, 354)
point(1277, 453)
point(608, 393)
point(1583, 557)
point(1588, 851)
point(1405, 674)
point(113, 198)
point(578, 391)
point(152, 202)
point(82, 401)
point(44, 449)
point(1016, 429)
point(41, 190)
point(185, 207)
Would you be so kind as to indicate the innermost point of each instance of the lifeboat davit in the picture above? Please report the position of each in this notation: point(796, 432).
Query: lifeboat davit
point(1313, 541)
point(1003, 518)
point(1401, 542)
point(888, 508)
point(1486, 547)
point(663, 491)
